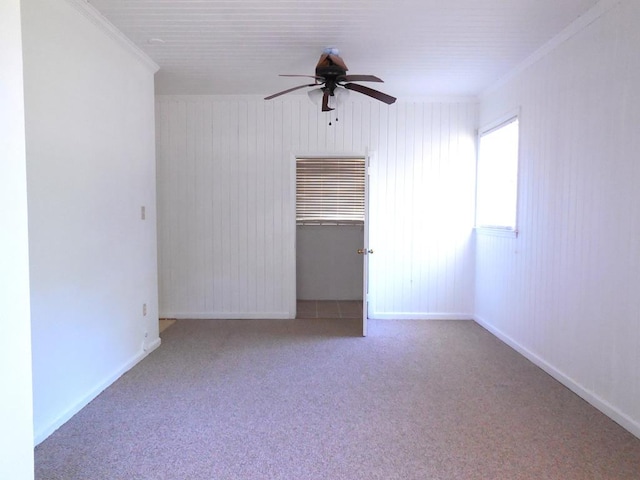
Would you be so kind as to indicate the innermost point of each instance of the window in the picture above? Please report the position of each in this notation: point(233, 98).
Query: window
point(497, 176)
point(330, 191)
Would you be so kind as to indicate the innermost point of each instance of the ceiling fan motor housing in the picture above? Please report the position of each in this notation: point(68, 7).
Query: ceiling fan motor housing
point(331, 68)
point(330, 71)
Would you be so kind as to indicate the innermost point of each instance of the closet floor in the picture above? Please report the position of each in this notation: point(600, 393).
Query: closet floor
point(329, 309)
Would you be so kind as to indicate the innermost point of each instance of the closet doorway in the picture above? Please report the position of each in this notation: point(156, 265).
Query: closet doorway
point(331, 235)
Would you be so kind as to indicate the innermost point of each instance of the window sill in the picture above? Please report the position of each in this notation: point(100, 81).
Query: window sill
point(497, 232)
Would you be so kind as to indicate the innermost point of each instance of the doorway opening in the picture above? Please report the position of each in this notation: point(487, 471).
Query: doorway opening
point(330, 234)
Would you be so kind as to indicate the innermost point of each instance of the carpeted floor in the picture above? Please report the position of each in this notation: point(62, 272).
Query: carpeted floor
point(311, 399)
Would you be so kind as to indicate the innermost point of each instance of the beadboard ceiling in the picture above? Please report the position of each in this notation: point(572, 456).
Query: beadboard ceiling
point(419, 47)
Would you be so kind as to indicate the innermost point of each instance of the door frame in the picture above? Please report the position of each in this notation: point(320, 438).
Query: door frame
point(292, 247)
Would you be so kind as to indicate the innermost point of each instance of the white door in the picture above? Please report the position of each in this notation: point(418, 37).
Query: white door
point(365, 251)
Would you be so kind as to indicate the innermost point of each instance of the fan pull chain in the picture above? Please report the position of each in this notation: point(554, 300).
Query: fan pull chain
point(330, 115)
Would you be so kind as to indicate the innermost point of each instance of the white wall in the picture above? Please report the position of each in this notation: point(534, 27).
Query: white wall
point(16, 413)
point(328, 266)
point(565, 292)
point(90, 167)
point(226, 202)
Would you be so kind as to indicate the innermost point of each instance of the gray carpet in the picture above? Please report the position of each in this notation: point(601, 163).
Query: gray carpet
point(310, 399)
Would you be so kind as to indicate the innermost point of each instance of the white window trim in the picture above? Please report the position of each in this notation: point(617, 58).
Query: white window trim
point(496, 231)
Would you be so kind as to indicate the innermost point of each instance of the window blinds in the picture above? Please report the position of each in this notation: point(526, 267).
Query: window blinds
point(330, 191)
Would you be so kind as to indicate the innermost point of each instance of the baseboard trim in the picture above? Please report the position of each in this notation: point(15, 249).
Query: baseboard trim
point(43, 433)
point(605, 407)
point(420, 316)
point(226, 315)
point(150, 347)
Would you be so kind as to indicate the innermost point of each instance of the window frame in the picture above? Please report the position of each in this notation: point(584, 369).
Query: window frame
point(511, 231)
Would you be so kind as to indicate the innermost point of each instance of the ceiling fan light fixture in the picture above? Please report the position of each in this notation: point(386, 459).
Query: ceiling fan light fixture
point(315, 96)
point(340, 96)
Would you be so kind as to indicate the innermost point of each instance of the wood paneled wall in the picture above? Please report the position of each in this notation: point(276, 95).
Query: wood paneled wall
point(565, 292)
point(226, 202)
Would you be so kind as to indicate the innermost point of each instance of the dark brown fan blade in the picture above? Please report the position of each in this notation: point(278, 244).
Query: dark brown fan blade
point(289, 90)
point(360, 78)
point(325, 102)
point(383, 97)
point(306, 76)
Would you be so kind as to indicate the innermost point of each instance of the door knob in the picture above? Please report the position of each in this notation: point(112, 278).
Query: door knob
point(364, 251)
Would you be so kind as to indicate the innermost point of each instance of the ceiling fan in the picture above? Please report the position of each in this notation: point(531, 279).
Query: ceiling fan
point(331, 76)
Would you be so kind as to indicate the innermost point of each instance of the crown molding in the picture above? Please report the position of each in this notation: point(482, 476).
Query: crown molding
point(95, 17)
point(189, 97)
point(575, 27)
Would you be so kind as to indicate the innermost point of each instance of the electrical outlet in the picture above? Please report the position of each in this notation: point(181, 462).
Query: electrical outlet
point(144, 309)
point(143, 212)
